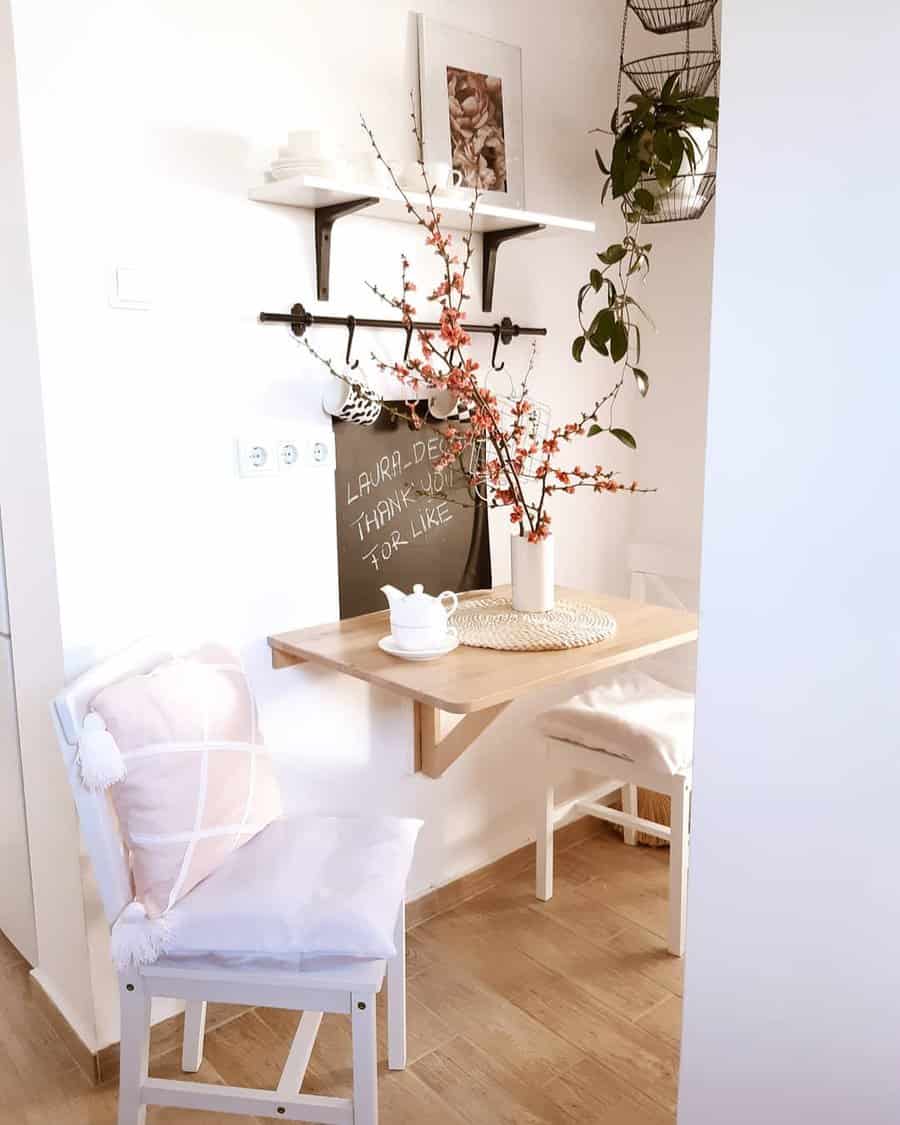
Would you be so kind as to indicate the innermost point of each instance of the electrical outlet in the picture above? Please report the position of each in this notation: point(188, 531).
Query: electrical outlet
point(256, 457)
point(288, 455)
point(320, 452)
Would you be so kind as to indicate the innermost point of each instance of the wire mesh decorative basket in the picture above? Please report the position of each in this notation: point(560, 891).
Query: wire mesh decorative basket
point(697, 69)
point(687, 198)
point(663, 16)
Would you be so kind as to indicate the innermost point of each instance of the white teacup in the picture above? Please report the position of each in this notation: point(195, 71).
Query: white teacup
point(426, 638)
point(442, 175)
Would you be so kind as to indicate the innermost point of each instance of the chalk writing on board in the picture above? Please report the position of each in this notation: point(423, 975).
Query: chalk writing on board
point(415, 505)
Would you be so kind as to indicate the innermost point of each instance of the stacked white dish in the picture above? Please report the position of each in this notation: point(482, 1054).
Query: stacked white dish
point(305, 154)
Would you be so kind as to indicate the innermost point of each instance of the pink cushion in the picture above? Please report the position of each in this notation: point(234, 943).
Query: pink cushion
point(198, 781)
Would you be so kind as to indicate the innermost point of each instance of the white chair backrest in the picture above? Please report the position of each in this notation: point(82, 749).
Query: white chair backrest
point(664, 575)
point(99, 826)
point(669, 577)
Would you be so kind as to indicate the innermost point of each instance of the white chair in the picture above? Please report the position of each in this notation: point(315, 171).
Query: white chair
point(577, 733)
point(343, 985)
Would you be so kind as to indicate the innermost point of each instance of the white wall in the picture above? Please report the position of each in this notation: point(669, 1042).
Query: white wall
point(672, 419)
point(33, 609)
point(792, 975)
point(144, 125)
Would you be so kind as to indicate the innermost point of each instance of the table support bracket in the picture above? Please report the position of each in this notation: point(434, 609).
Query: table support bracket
point(435, 755)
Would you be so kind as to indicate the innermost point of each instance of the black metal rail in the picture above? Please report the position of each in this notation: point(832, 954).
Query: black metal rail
point(299, 320)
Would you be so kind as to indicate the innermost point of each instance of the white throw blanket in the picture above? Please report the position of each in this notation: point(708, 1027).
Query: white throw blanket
point(633, 717)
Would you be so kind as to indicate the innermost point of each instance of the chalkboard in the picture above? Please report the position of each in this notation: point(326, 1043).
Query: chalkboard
point(387, 531)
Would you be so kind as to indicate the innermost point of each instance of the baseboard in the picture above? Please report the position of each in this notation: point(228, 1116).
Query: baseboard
point(166, 1036)
point(44, 995)
point(508, 866)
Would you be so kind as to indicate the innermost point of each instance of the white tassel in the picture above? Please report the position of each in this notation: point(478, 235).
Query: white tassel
point(99, 757)
point(137, 939)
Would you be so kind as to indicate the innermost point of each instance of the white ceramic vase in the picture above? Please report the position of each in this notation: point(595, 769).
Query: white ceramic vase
point(532, 574)
point(691, 181)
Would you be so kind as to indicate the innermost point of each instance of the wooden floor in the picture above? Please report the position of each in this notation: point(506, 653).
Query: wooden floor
point(520, 1013)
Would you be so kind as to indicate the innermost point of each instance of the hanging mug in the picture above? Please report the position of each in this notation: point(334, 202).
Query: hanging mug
point(350, 403)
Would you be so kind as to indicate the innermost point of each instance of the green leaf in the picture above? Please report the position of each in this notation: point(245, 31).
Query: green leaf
point(582, 293)
point(602, 326)
point(600, 163)
point(596, 280)
point(637, 342)
point(624, 437)
point(677, 152)
point(578, 348)
point(594, 430)
point(618, 342)
point(612, 254)
point(670, 86)
point(617, 170)
point(645, 200)
point(707, 107)
point(631, 175)
point(662, 145)
point(642, 380)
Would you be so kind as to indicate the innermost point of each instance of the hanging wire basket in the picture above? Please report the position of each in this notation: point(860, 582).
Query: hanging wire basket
point(696, 69)
point(663, 16)
point(687, 198)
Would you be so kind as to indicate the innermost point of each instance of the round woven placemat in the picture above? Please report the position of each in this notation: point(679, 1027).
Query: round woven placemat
point(492, 622)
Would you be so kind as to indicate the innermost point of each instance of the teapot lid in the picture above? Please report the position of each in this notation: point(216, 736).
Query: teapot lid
point(418, 609)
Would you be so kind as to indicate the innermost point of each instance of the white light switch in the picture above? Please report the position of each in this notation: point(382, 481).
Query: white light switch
point(131, 288)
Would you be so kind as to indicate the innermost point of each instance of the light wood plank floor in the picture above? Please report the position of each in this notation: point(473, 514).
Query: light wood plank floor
point(520, 1013)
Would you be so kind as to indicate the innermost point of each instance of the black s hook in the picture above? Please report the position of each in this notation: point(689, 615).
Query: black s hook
point(409, 332)
point(351, 325)
point(494, 352)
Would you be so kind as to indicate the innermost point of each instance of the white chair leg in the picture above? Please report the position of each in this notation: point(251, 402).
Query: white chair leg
point(630, 806)
point(134, 1049)
point(365, 1059)
point(396, 997)
point(194, 1030)
point(544, 880)
point(678, 867)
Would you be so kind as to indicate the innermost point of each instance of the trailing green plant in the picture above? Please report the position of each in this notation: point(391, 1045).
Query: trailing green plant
point(653, 139)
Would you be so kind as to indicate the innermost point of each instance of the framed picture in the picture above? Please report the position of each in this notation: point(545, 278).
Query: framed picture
point(470, 99)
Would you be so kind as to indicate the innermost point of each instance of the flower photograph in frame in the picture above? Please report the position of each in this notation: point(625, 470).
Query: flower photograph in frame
point(470, 101)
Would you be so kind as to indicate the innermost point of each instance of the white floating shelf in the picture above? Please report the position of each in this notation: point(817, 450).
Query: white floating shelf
point(313, 192)
point(330, 199)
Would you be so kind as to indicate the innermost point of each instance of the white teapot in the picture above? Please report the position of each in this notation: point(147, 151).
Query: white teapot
point(419, 622)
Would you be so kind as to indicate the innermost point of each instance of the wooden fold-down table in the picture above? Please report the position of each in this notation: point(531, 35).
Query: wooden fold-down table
point(478, 683)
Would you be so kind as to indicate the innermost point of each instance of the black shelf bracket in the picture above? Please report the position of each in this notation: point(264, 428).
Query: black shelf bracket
point(493, 240)
point(326, 217)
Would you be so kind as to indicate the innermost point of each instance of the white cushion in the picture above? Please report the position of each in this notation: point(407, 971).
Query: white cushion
point(633, 717)
point(302, 888)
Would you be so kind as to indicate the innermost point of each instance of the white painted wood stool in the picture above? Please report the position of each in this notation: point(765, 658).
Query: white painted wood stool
point(344, 985)
point(652, 739)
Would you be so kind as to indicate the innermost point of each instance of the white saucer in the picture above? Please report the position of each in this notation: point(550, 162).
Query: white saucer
point(386, 644)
